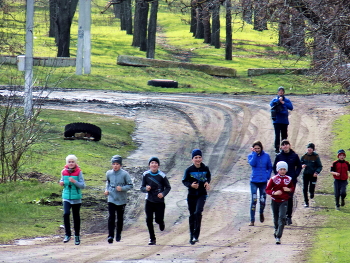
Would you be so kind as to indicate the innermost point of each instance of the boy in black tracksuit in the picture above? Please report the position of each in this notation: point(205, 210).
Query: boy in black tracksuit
point(312, 165)
point(196, 178)
point(156, 185)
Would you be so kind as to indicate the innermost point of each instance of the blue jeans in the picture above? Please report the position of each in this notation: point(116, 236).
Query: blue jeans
point(254, 190)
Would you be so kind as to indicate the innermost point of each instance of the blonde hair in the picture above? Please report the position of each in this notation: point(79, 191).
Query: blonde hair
point(71, 157)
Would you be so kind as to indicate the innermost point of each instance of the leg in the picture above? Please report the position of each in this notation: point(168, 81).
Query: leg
point(66, 220)
point(313, 182)
point(149, 209)
point(281, 218)
point(192, 203)
point(262, 199)
point(253, 190)
point(120, 221)
point(111, 221)
point(306, 182)
point(159, 215)
point(337, 192)
point(76, 218)
point(275, 213)
point(198, 215)
point(284, 131)
point(344, 183)
point(277, 128)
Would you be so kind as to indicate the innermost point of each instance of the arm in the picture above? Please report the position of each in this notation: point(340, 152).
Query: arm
point(318, 165)
point(128, 183)
point(144, 183)
point(288, 104)
point(269, 167)
point(167, 187)
point(107, 185)
point(298, 167)
point(185, 180)
point(253, 159)
point(80, 183)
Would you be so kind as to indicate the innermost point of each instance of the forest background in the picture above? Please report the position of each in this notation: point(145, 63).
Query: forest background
point(252, 47)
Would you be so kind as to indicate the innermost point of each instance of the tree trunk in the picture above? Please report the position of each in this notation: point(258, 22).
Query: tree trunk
point(284, 31)
point(247, 7)
point(116, 10)
point(206, 22)
point(143, 25)
point(65, 10)
point(53, 17)
point(298, 34)
point(260, 15)
point(200, 27)
point(193, 26)
point(228, 49)
point(128, 17)
point(215, 35)
point(136, 36)
point(122, 16)
point(152, 30)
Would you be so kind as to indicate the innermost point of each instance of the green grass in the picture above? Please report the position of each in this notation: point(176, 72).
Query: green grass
point(331, 238)
point(21, 214)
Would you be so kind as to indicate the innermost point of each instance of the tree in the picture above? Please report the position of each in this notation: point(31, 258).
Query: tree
point(215, 35)
point(17, 134)
point(228, 50)
point(62, 13)
point(152, 29)
point(260, 15)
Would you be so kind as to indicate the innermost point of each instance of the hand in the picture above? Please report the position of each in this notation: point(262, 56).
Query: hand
point(148, 188)
point(336, 174)
point(118, 188)
point(207, 186)
point(286, 189)
point(303, 166)
point(315, 174)
point(72, 180)
point(195, 185)
point(61, 183)
point(160, 195)
point(106, 193)
point(281, 100)
point(278, 192)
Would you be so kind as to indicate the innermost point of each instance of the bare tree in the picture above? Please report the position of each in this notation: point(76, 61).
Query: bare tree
point(215, 35)
point(228, 50)
point(17, 133)
point(152, 30)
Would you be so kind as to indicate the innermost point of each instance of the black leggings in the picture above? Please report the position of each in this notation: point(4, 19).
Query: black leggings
point(76, 217)
point(112, 208)
point(158, 210)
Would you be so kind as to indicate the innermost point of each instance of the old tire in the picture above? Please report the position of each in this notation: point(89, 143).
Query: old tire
point(165, 83)
point(77, 127)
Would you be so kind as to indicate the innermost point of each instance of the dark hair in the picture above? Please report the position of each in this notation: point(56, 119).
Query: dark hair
point(285, 141)
point(258, 143)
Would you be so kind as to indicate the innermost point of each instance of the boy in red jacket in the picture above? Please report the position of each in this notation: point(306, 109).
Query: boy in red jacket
point(279, 188)
point(339, 170)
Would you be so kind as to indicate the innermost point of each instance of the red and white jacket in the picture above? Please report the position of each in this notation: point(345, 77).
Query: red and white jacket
point(276, 183)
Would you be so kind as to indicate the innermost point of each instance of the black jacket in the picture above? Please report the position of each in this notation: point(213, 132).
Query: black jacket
point(200, 175)
point(293, 161)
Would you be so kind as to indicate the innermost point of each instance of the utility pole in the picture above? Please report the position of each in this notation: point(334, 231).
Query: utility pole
point(28, 64)
point(83, 59)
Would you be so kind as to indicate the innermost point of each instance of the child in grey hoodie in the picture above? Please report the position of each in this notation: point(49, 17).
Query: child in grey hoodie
point(117, 184)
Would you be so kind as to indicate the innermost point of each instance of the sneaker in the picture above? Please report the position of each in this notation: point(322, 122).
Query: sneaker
point(342, 202)
point(152, 242)
point(262, 218)
point(161, 226)
point(306, 205)
point(195, 240)
point(277, 151)
point(251, 224)
point(278, 240)
point(312, 196)
point(336, 208)
point(66, 239)
point(289, 221)
point(110, 240)
point(77, 240)
point(118, 237)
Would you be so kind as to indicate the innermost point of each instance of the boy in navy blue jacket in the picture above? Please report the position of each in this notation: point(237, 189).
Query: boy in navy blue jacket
point(196, 178)
point(156, 185)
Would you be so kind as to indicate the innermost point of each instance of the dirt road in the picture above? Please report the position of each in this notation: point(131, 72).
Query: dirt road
point(223, 126)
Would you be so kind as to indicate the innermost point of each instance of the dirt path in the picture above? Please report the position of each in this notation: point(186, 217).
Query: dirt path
point(223, 126)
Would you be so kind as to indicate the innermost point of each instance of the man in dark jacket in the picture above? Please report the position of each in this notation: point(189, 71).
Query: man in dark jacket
point(312, 166)
point(288, 155)
point(279, 113)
